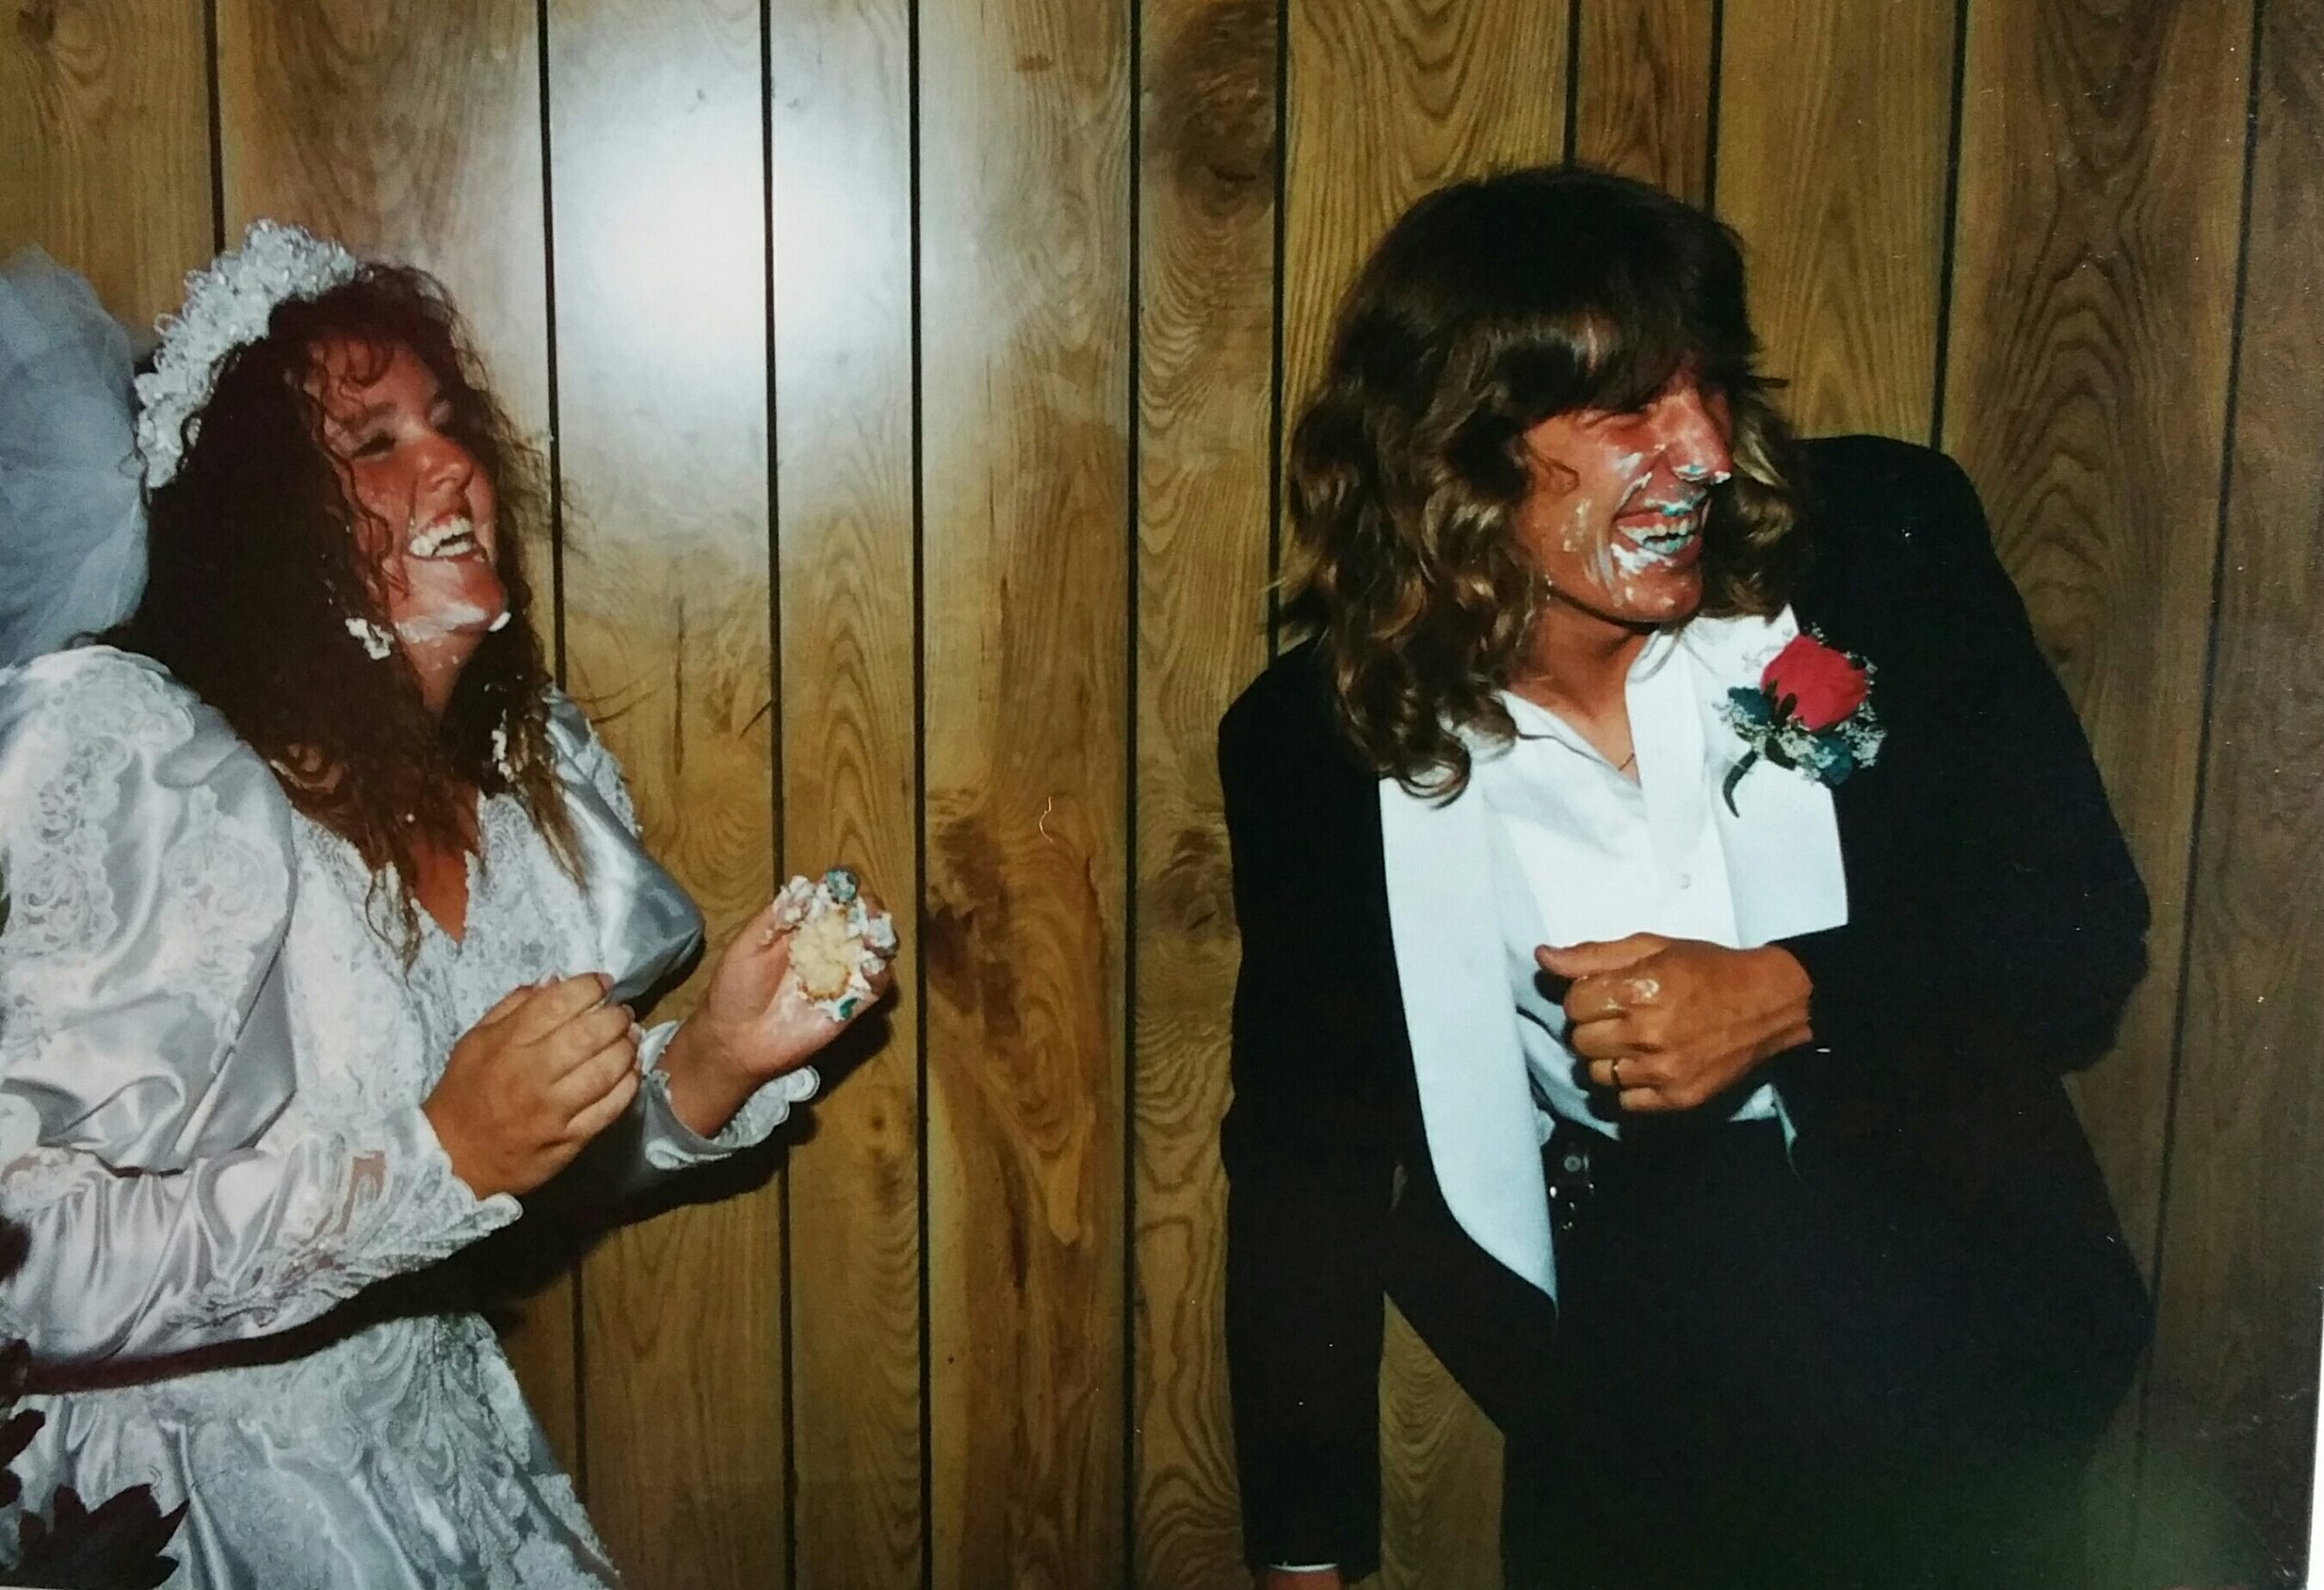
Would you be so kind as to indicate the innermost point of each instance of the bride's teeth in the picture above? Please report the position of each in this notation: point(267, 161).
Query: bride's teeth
point(452, 539)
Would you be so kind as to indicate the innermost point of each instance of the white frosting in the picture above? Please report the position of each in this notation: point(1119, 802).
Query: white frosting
point(450, 620)
point(377, 644)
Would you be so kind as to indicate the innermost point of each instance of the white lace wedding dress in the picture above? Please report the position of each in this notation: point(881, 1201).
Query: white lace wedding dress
point(211, 1069)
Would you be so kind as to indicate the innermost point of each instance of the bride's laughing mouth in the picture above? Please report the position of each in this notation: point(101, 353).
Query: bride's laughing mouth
point(447, 539)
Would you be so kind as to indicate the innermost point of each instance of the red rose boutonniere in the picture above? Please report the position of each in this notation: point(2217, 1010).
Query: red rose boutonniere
point(1810, 711)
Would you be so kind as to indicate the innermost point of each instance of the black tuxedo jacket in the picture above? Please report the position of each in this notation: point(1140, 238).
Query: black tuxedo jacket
point(1996, 928)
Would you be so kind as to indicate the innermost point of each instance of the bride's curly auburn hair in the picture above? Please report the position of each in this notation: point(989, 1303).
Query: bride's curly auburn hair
point(254, 575)
point(1490, 306)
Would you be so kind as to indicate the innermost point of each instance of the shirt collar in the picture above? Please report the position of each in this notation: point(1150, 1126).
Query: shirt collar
point(1728, 651)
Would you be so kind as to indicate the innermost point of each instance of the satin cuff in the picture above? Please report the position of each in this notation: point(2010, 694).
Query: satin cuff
point(670, 1144)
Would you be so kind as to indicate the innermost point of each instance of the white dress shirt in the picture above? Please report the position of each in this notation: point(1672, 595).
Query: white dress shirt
point(1583, 853)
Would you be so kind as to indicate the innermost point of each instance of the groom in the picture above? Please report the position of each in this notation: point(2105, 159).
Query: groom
point(1757, 1216)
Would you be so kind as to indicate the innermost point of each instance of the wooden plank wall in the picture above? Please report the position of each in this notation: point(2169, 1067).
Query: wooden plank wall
point(2232, 1406)
point(916, 372)
point(840, 114)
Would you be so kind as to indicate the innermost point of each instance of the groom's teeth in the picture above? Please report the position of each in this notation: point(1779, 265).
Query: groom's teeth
point(1666, 543)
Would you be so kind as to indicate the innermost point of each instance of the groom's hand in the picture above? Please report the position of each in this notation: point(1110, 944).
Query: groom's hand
point(1670, 1023)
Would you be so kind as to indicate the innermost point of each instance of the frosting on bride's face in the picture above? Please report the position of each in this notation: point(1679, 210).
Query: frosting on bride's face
point(425, 508)
point(1615, 516)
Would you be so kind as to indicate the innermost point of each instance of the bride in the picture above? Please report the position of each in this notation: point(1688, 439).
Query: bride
point(325, 912)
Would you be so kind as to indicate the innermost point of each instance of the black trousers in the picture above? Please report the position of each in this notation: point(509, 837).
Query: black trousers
point(1773, 1372)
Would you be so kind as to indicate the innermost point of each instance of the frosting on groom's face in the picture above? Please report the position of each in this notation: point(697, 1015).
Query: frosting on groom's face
point(424, 506)
point(1615, 517)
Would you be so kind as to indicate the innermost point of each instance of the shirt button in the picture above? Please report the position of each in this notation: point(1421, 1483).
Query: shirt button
point(1686, 880)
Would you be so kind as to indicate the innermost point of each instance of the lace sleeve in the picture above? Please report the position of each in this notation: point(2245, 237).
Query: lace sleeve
point(144, 1046)
point(670, 1144)
point(146, 853)
point(237, 1245)
point(650, 1145)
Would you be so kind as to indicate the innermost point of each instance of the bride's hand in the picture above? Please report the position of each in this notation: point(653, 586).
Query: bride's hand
point(754, 1024)
point(763, 1021)
point(539, 1075)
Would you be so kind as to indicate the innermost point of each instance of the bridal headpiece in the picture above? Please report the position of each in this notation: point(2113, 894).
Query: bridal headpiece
point(227, 305)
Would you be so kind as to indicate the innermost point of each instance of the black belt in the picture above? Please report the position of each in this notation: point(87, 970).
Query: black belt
point(1579, 1163)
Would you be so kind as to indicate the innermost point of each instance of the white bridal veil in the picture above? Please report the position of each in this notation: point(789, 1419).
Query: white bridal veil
point(72, 526)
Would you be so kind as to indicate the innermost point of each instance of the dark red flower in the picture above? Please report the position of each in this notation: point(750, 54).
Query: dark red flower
point(1818, 685)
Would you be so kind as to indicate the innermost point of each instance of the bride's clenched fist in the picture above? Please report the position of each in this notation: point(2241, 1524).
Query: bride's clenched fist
point(544, 1071)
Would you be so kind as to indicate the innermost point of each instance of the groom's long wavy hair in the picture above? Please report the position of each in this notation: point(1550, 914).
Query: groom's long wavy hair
point(1489, 307)
point(254, 575)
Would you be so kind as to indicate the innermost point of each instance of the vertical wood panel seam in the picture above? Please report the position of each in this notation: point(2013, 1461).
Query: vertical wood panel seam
point(555, 452)
point(1572, 79)
point(1710, 105)
point(1135, 186)
point(217, 126)
point(554, 461)
point(2251, 66)
point(787, 1370)
point(774, 559)
point(919, 799)
point(1277, 397)
point(1949, 228)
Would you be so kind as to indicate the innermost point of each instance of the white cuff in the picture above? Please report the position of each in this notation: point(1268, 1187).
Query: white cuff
point(672, 1145)
point(443, 1200)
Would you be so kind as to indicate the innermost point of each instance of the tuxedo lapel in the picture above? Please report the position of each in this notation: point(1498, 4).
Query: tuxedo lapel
point(1476, 1104)
point(1864, 805)
point(1776, 826)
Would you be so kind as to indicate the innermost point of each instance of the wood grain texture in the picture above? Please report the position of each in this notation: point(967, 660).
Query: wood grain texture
point(1387, 100)
point(410, 132)
point(2095, 279)
point(2094, 282)
point(1642, 102)
point(1835, 117)
point(661, 337)
point(104, 119)
point(414, 136)
point(840, 99)
point(1025, 198)
point(1440, 1491)
point(1206, 376)
point(2234, 1362)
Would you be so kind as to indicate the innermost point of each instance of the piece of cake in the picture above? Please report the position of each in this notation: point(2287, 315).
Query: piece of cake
point(822, 955)
point(837, 943)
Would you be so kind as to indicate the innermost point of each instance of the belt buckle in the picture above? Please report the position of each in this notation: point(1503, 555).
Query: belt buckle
point(1568, 1172)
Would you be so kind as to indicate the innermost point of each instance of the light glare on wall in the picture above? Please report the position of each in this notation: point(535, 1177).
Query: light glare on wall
point(685, 259)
